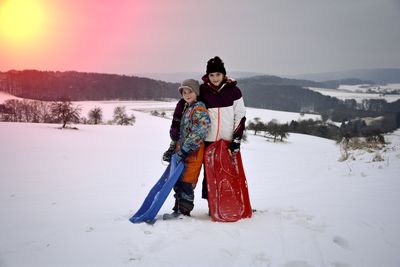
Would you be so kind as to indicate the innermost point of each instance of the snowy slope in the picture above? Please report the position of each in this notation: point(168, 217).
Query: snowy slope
point(357, 93)
point(66, 196)
point(108, 107)
point(365, 87)
point(5, 96)
point(267, 115)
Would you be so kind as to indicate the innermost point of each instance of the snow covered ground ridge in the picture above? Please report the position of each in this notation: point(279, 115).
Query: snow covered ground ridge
point(66, 197)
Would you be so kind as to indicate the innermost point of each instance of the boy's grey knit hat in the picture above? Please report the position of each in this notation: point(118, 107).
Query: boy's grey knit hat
point(190, 84)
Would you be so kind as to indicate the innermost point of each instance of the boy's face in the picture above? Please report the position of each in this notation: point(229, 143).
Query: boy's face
point(188, 95)
point(216, 78)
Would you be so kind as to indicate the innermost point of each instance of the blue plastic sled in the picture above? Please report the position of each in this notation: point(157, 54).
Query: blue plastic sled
point(159, 193)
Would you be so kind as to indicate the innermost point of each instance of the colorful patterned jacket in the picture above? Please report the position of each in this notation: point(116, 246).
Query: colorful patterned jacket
point(194, 126)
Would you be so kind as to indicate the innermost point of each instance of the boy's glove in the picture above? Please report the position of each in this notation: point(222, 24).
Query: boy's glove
point(234, 147)
point(168, 154)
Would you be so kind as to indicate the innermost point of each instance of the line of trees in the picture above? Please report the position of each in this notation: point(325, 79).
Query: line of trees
point(79, 86)
point(275, 130)
point(370, 128)
point(63, 111)
point(14, 110)
point(316, 127)
point(271, 129)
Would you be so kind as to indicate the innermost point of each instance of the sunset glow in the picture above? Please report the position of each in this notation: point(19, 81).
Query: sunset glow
point(158, 36)
point(21, 21)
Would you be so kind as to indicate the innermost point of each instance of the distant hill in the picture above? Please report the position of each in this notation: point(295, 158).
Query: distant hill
point(272, 92)
point(276, 93)
point(178, 77)
point(380, 76)
point(276, 80)
point(262, 91)
point(53, 85)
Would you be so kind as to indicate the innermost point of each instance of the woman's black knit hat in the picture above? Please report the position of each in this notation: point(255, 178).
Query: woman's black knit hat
point(215, 65)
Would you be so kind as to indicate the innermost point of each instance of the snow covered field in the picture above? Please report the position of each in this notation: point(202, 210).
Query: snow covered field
point(4, 96)
point(365, 87)
point(168, 107)
point(358, 92)
point(267, 115)
point(66, 196)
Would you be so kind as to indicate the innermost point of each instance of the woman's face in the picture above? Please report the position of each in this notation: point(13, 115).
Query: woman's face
point(216, 78)
point(188, 95)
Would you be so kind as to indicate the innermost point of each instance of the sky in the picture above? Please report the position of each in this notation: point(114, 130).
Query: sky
point(157, 36)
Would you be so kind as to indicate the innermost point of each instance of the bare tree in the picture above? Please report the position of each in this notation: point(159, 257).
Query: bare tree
point(26, 110)
point(35, 111)
point(273, 128)
point(121, 118)
point(3, 113)
point(155, 113)
point(13, 109)
point(96, 115)
point(283, 131)
point(256, 126)
point(65, 112)
point(44, 112)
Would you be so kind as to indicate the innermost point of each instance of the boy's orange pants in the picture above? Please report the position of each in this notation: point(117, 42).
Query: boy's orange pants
point(193, 165)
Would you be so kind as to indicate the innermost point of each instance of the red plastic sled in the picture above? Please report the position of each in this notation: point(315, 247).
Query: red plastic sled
point(228, 195)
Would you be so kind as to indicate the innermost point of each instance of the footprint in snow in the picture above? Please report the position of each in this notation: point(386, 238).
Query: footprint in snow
point(340, 264)
point(260, 260)
point(301, 219)
point(297, 264)
point(147, 232)
point(124, 217)
point(341, 242)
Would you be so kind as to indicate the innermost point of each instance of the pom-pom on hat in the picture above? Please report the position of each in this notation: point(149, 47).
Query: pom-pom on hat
point(215, 65)
point(190, 84)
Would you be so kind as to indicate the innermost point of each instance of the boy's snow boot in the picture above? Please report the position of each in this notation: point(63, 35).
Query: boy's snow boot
point(176, 206)
point(170, 216)
point(185, 207)
point(184, 198)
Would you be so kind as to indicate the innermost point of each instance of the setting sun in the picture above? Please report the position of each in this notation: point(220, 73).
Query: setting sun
point(21, 20)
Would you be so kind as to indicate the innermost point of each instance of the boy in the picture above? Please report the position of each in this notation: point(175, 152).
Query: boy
point(193, 129)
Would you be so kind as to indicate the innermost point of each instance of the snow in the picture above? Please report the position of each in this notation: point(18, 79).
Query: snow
point(359, 92)
point(5, 96)
point(66, 197)
point(108, 107)
point(366, 87)
point(267, 115)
